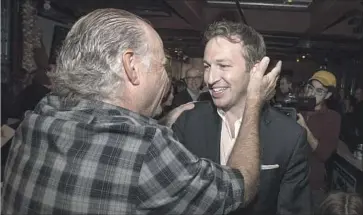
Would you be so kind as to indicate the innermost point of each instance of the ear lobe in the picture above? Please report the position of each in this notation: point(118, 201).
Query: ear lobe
point(328, 95)
point(129, 63)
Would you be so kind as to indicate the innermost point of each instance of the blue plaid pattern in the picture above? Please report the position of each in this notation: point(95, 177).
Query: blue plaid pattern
point(89, 157)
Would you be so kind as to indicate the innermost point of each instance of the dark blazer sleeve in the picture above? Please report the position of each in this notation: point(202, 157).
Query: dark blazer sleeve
point(181, 98)
point(295, 193)
point(178, 128)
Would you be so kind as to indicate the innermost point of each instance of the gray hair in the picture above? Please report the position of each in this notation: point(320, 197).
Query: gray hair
point(252, 42)
point(89, 64)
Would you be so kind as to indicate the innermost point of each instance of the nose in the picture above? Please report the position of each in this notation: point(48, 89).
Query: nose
point(211, 76)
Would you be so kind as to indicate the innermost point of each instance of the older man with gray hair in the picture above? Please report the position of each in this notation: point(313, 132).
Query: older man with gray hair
point(91, 146)
point(193, 79)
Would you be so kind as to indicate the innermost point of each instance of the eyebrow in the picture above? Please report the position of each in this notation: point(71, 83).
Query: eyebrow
point(218, 61)
point(222, 60)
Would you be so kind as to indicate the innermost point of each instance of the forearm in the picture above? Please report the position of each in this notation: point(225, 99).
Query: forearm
point(245, 155)
point(313, 142)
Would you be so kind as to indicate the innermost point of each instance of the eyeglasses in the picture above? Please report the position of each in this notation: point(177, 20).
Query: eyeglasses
point(317, 91)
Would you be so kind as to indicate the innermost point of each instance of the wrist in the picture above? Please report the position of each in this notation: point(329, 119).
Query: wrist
point(254, 101)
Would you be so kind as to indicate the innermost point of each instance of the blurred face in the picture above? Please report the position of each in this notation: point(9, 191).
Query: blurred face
point(358, 94)
point(155, 80)
point(285, 86)
point(169, 96)
point(317, 90)
point(341, 93)
point(194, 80)
point(225, 73)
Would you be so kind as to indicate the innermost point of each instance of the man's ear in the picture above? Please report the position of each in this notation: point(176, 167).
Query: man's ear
point(129, 63)
point(328, 95)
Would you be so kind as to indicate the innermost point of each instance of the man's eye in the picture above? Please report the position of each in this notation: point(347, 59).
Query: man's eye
point(223, 66)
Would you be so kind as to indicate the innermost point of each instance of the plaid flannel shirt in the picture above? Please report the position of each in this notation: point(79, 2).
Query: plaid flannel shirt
point(88, 157)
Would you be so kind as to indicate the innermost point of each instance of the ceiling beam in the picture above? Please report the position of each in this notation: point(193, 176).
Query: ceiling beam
point(324, 13)
point(190, 11)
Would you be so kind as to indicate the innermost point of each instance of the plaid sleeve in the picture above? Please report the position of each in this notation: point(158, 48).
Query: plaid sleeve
point(174, 181)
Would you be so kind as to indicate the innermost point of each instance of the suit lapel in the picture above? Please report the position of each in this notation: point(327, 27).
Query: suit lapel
point(215, 136)
point(264, 123)
point(188, 97)
point(215, 127)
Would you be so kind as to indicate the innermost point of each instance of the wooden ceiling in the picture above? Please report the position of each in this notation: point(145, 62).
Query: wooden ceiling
point(318, 28)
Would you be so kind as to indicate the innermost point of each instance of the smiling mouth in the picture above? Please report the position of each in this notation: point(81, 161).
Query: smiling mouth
point(217, 91)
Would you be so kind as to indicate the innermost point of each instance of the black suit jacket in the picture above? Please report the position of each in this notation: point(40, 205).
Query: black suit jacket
point(181, 98)
point(284, 190)
point(184, 97)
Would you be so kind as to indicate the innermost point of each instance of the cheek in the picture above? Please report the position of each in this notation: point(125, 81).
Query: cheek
point(319, 98)
point(205, 77)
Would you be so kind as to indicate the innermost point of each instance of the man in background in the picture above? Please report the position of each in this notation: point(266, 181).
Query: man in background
point(323, 128)
point(193, 80)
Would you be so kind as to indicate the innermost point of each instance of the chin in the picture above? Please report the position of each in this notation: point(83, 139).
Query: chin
point(220, 104)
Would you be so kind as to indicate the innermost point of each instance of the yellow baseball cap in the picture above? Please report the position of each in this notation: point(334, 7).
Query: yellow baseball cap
point(325, 78)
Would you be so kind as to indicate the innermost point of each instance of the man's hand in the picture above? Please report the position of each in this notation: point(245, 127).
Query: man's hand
point(261, 87)
point(313, 142)
point(173, 115)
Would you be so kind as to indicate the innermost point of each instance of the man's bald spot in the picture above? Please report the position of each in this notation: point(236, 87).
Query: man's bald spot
point(154, 42)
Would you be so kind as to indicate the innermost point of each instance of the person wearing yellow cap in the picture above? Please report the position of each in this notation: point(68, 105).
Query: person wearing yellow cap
point(323, 127)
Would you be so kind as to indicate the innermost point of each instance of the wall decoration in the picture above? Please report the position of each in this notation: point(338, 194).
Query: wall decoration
point(59, 34)
point(31, 35)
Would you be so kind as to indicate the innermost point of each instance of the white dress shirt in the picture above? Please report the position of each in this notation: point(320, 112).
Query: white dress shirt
point(227, 138)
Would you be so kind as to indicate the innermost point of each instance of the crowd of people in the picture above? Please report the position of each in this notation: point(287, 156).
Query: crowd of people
point(112, 134)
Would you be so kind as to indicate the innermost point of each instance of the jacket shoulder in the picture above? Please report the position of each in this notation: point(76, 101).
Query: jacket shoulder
point(281, 121)
point(203, 107)
point(200, 111)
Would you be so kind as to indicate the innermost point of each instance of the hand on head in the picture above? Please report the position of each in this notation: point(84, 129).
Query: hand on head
point(261, 87)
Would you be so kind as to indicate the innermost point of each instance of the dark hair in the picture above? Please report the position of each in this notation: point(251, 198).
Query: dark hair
point(179, 86)
point(252, 42)
point(287, 77)
point(342, 204)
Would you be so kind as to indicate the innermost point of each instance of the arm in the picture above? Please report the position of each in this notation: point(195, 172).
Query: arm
point(295, 193)
point(313, 142)
point(245, 155)
point(174, 181)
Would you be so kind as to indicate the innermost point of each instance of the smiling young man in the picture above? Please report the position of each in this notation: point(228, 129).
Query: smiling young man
point(210, 129)
point(323, 128)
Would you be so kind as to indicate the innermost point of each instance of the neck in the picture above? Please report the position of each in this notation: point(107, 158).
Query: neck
point(319, 107)
point(194, 91)
point(236, 112)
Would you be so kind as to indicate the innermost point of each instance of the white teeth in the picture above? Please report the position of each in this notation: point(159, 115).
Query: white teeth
point(217, 90)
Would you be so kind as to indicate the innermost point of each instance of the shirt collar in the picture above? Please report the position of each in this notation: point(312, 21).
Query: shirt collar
point(222, 114)
point(86, 109)
point(193, 94)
